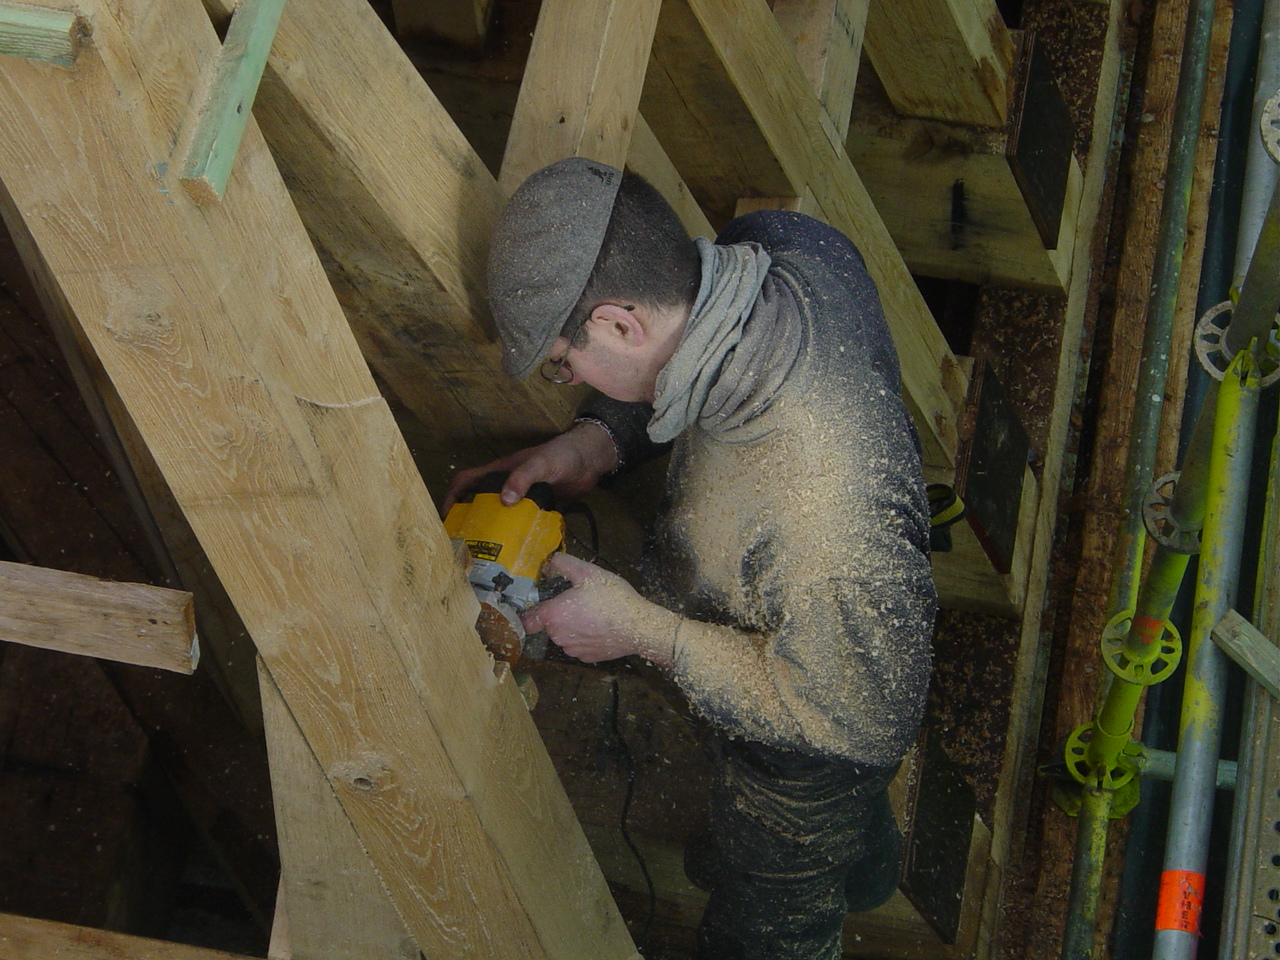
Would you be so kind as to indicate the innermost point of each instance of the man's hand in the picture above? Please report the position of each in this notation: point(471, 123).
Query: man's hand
point(571, 463)
point(602, 617)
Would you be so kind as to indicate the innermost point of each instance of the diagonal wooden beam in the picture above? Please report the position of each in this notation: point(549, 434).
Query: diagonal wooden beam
point(331, 903)
point(728, 100)
point(943, 59)
point(402, 222)
point(827, 35)
point(581, 85)
point(125, 622)
point(284, 458)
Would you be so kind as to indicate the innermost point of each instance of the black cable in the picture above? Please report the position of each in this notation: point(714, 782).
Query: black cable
point(626, 807)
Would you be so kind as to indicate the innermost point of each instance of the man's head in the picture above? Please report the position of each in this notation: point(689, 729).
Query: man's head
point(577, 236)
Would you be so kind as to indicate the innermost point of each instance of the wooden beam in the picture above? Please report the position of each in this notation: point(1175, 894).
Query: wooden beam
point(25, 938)
point(331, 901)
point(950, 200)
point(38, 33)
point(1256, 655)
point(461, 22)
point(827, 35)
point(277, 446)
point(727, 98)
point(647, 158)
point(581, 85)
point(402, 223)
point(943, 59)
point(228, 103)
point(126, 622)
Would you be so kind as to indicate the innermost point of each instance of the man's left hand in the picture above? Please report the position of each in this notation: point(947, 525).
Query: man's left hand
point(602, 617)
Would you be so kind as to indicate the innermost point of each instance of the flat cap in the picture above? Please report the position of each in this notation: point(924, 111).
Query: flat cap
point(542, 253)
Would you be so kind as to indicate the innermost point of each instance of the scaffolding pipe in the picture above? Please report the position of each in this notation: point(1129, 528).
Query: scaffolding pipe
point(1259, 228)
point(1161, 764)
point(1086, 871)
point(1200, 730)
point(1170, 244)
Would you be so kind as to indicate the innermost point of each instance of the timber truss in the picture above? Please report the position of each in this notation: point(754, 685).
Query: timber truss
point(238, 329)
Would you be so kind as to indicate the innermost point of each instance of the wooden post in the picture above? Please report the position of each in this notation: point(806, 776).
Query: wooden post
point(276, 444)
point(828, 39)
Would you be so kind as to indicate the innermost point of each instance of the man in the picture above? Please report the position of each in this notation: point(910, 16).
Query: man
point(790, 593)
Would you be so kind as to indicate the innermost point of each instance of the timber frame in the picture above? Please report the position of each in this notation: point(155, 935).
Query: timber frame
point(251, 354)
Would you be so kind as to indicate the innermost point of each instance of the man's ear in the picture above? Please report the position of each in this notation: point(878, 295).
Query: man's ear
point(612, 320)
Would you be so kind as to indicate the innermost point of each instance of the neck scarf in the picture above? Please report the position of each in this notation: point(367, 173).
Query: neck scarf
point(732, 276)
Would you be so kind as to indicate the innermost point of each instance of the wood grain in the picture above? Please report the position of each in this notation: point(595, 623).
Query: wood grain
point(948, 60)
point(243, 379)
point(126, 622)
point(581, 86)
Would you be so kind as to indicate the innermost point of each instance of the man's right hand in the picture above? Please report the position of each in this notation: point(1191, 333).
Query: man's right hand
point(571, 463)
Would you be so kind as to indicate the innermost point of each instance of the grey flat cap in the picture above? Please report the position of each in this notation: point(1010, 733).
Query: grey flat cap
point(542, 253)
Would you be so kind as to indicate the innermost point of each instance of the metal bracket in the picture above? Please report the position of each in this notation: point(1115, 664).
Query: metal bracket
point(1144, 672)
point(1158, 518)
point(1210, 340)
point(1077, 752)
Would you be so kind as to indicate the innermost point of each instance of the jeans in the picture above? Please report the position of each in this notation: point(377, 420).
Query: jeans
point(797, 841)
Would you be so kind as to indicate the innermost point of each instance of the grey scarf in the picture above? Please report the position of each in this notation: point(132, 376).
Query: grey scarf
point(732, 276)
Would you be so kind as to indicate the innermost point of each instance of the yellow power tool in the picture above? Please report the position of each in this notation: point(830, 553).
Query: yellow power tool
point(508, 546)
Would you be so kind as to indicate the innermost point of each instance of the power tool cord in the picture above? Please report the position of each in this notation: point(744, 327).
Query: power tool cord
point(623, 747)
point(630, 764)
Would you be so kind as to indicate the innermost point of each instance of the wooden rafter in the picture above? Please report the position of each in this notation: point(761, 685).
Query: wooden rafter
point(284, 458)
point(827, 35)
point(402, 223)
point(581, 85)
point(950, 200)
point(943, 59)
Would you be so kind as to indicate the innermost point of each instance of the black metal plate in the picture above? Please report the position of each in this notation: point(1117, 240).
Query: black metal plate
point(938, 847)
point(1041, 140)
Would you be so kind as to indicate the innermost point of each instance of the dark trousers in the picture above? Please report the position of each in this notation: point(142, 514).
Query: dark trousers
point(799, 840)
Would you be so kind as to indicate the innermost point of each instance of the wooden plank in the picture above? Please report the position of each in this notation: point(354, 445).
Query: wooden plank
point(1256, 654)
point(462, 22)
point(581, 85)
point(38, 33)
point(275, 443)
point(25, 938)
point(827, 35)
point(331, 901)
point(943, 60)
point(725, 79)
point(402, 223)
point(228, 103)
point(126, 622)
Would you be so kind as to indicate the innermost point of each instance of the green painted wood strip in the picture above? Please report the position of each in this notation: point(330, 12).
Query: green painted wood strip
point(38, 33)
point(1247, 646)
point(230, 101)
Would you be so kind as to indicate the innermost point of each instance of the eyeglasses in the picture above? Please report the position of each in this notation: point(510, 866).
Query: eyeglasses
point(557, 370)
